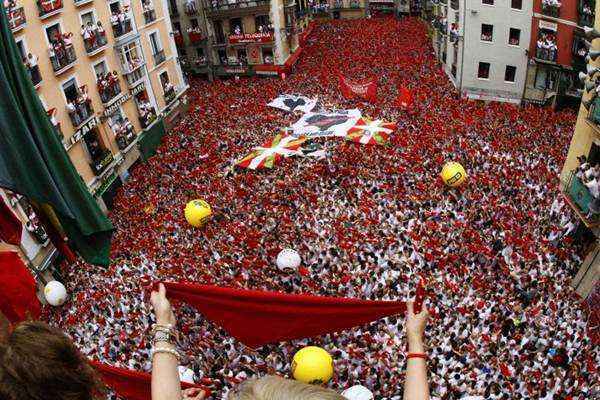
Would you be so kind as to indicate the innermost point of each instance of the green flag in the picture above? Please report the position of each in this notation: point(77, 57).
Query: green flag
point(34, 163)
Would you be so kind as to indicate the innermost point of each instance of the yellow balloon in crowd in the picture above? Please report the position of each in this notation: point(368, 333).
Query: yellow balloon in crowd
point(312, 365)
point(453, 174)
point(197, 213)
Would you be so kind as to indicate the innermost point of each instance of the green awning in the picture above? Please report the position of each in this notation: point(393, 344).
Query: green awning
point(149, 141)
point(34, 163)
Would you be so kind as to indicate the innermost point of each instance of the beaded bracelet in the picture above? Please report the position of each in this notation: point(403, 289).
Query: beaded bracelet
point(167, 350)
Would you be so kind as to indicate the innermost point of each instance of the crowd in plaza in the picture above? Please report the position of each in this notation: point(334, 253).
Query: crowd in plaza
point(497, 253)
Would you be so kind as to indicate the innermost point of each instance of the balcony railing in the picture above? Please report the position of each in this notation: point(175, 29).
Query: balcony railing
point(108, 90)
point(101, 162)
point(170, 95)
point(92, 45)
point(63, 59)
point(80, 112)
point(149, 16)
point(133, 76)
point(47, 8)
point(222, 5)
point(125, 136)
point(16, 18)
point(122, 29)
point(159, 57)
point(581, 200)
point(546, 54)
point(551, 10)
point(195, 36)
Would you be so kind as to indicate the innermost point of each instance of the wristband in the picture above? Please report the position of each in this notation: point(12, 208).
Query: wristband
point(166, 350)
point(416, 355)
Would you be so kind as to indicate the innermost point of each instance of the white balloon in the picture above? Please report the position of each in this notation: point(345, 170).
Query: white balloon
point(288, 259)
point(55, 293)
point(358, 392)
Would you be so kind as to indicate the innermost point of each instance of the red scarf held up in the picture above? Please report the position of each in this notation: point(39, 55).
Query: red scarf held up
point(366, 90)
point(132, 385)
point(256, 318)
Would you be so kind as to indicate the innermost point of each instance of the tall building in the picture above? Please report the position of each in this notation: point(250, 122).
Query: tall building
point(107, 74)
point(244, 38)
point(190, 32)
point(348, 9)
point(483, 46)
point(578, 189)
point(557, 51)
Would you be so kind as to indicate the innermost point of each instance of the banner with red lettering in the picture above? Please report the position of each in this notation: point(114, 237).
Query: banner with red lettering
point(365, 90)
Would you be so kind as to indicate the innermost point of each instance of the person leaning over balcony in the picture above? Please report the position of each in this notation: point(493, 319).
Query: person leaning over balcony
point(101, 33)
point(114, 21)
point(165, 361)
point(87, 36)
point(32, 63)
point(69, 49)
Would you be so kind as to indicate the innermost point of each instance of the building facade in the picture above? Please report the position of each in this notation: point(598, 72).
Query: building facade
point(108, 75)
point(575, 187)
point(245, 38)
point(348, 9)
point(482, 45)
point(557, 51)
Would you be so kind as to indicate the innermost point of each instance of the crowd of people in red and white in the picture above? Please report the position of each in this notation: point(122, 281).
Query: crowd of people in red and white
point(497, 253)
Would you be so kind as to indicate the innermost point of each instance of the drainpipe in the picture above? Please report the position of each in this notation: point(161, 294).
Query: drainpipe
point(462, 56)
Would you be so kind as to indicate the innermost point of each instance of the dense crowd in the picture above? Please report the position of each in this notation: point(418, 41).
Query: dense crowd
point(496, 253)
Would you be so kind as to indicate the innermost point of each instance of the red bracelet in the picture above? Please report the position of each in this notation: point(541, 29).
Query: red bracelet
point(416, 355)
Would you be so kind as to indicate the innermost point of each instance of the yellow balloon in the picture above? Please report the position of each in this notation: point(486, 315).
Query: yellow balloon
point(197, 213)
point(312, 365)
point(453, 174)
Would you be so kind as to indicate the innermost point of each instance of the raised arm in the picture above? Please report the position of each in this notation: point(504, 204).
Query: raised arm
point(416, 386)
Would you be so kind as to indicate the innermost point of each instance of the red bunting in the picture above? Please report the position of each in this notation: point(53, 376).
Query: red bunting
point(18, 299)
point(365, 90)
point(10, 225)
point(132, 385)
point(256, 318)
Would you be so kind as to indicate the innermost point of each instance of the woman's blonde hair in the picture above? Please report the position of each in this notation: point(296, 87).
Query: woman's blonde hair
point(276, 388)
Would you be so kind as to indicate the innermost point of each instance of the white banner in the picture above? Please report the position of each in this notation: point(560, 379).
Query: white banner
point(336, 123)
point(291, 103)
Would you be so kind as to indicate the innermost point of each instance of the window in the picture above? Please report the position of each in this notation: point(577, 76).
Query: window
point(100, 69)
point(261, 22)
point(514, 36)
point(510, 73)
point(516, 4)
point(87, 18)
point(155, 43)
point(487, 32)
point(194, 22)
point(235, 26)
point(200, 52)
point(164, 79)
point(70, 90)
point(21, 48)
point(267, 54)
point(53, 33)
point(488, 2)
point(176, 26)
point(484, 70)
point(219, 34)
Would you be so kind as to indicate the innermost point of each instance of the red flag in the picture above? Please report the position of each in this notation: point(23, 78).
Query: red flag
point(131, 385)
point(405, 98)
point(10, 225)
point(366, 90)
point(17, 289)
point(256, 318)
point(505, 370)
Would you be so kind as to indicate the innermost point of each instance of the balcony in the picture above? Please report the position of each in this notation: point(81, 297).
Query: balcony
point(551, 10)
point(125, 135)
point(63, 60)
point(587, 14)
point(134, 74)
point(226, 5)
point(34, 72)
point(578, 196)
point(79, 3)
point(149, 16)
point(159, 57)
point(95, 45)
point(169, 94)
point(101, 161)
point(178, 37)
point(48, 8)
point(340, 5)
point(109, 88)
point(16, 19)
point(123, 29)
point(546, 55)
point(147, 115)
point(195, 36)
point(79, 112)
